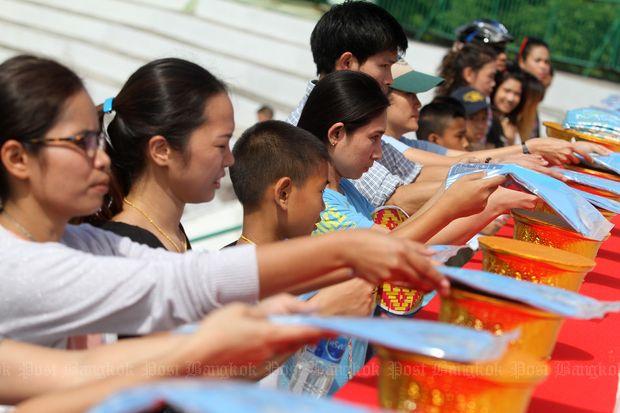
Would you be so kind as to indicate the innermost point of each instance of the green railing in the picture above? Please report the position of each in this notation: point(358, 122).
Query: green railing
point(584, 35)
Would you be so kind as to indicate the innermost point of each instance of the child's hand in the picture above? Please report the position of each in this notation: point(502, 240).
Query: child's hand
point(378, 257)
point(503, 200)
point(469, 194)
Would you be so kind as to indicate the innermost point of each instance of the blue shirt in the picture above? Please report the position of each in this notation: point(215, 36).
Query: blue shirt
point(343, 211)
point(403, 144)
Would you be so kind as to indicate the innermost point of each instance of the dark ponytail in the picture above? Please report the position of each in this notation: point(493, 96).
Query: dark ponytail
point(165, 97)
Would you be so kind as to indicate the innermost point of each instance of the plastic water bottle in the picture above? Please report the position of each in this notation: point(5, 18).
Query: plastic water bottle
point(316, 367)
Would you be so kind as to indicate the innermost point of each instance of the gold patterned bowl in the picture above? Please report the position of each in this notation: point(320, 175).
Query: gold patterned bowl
point(534, 263)
point(547, 229)
point(414, 383)
point(555, 130)
point(539, 329)
point(392, 298)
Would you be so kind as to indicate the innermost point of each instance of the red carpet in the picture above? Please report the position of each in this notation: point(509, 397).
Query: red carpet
point(586, 360)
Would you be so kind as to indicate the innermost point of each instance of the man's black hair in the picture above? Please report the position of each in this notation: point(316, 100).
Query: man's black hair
point(436, 116)
point(359, 27)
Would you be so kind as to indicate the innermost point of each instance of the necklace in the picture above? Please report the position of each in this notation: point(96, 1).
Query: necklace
point(157, 227)
point(246, 239)
point(19, 226)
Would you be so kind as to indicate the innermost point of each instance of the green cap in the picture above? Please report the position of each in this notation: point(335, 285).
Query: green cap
point(408, 80)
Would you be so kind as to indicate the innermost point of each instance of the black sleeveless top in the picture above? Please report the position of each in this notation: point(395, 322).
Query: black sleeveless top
point(138, 234)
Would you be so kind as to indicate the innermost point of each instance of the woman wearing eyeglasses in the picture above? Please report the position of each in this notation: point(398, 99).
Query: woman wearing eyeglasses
point(60, 280)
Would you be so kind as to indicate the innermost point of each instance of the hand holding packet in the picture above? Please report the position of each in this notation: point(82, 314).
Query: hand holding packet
point(554, 300)
point(433, 339)
point(572, 207)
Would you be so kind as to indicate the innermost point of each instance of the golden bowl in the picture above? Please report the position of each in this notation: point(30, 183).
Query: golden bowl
point(547, 229)
point(415, 383)
point(539, 329)
point(392, 298)
point(534, 263)
point(555, 130)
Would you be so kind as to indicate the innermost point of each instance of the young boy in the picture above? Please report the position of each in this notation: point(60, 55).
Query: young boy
point(442, 122)
point(476, 109)
point(279, 175)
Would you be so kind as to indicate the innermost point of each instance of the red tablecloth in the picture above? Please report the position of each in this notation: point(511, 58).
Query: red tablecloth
point(586, 361)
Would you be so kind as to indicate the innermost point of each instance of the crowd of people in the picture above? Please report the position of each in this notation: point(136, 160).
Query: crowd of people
point(92, 199)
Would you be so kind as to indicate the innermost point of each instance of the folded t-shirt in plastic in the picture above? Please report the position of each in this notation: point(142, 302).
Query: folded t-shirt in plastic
point(610, 162)
point(602, 122)
point(590, 180)
point(554, 300)
point(206, 396)
point(575, 209)
point(600, 201)
point(433, 339)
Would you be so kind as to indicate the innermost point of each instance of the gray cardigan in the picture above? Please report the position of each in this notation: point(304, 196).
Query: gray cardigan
point(97, 282)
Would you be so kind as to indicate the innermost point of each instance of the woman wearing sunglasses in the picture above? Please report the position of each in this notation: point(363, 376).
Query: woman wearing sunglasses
point(61, 280)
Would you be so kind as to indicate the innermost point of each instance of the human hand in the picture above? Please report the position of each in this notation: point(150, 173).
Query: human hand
point(503, 200)
point(350, 298)
point(378, 257)
point(468, 195)
point(237, 339)
point(585, 148)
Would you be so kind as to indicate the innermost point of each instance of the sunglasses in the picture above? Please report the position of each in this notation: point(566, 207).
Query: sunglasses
point(90, 141)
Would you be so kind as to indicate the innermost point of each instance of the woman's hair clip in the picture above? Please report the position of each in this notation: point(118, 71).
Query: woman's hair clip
point(107, 105)
point(521, 48)
point(108, 117)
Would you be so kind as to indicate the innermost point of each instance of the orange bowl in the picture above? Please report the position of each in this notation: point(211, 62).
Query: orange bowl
point(415, 383)
point(538, 329)
point(595, 191)
point(547, 229)
point(534, 263)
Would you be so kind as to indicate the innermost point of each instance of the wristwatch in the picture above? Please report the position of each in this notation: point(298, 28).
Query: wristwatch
point(525, 149)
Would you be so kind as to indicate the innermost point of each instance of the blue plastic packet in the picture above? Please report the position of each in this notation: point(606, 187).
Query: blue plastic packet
point(210, 396)
point(600, 201)
point(590, 180)
point(572, 207)
point(444, 252)
point(604, 123)
point(608, 162)
point(433, 339)
point(554, 300)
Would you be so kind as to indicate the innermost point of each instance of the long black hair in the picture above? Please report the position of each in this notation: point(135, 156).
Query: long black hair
point(353, 98)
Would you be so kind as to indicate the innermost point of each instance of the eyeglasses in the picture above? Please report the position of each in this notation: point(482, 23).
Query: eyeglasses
point(90, 141)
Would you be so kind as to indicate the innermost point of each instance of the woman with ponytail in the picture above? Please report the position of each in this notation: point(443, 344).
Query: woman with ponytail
point(472, 65)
